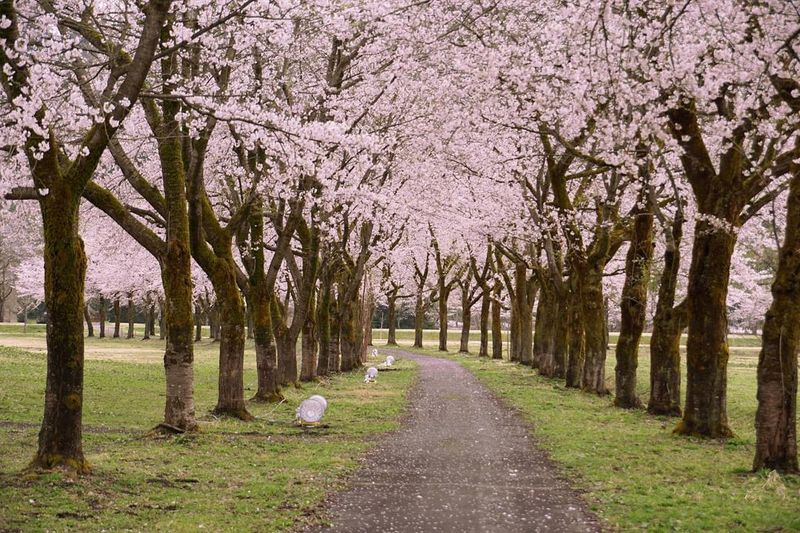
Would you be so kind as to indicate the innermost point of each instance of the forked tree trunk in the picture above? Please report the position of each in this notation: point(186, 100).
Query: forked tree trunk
point(131, 315)
point(707, 345)
point(776, 417)
point(486, 303)
point(65, 270)
point(88, 318)
point(103, 316)
point(391, 339)
point(668, 325)
point(497, 325)
point(117, 318)
point(633, 309)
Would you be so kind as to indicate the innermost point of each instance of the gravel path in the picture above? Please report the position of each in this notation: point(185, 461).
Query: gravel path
point(462, 462)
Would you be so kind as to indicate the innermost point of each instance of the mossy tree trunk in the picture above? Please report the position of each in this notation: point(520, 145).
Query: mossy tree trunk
point(575, 336)
point(776, 416)
point(466, 319)
point(633, 309)
point(544, 331)
point(419, 320)
point(65, 270)
point(669, 322)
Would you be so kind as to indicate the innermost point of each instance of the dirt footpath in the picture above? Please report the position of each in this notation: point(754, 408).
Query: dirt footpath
point(462, 462)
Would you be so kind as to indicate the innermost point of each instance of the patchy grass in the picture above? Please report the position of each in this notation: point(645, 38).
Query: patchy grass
point(636, 474)
point(267, 475)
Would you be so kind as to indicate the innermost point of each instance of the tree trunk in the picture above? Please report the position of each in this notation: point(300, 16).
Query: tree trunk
point(162, 331)
point(287, 357)
point(117, 318)
point(269, 389)
point(198, 323)
point(668, 325)
point(497, 325)
point(525, 293)
point(102, 317)
point(486, 302)
point(707, 344)
point(466, 320)
point(131, 314)
point(176, 277)
point(444, 294)
point(392, 319)
point(594, 320)
point(147, 318)
point(308, 368)
point(544, 332)
point(350, 338)
point(776, 417)
point(249, 315)
point(419, 321)
point(88, 318)
point(152, 319)
point(575, 336)
point(634, 309)
point(65, 270)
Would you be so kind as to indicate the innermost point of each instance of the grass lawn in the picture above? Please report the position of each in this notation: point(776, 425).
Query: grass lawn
point(266, 475)
point(634, 472)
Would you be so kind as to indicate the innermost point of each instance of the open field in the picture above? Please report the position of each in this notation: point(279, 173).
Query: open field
point(636, 474)
point(267, 475)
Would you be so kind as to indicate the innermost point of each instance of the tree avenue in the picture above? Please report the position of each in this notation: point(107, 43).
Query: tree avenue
point(299, 172)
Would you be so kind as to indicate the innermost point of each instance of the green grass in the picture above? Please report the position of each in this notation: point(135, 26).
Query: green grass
point(267, 475)
point(430, 337)
point(634, 472)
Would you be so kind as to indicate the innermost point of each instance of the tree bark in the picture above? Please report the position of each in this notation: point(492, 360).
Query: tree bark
point(391, 339)
point(419, 320)
point(88, 318)
point(497, 325)
point(707, 345)
point(103, 316)
point(350, 339)
point(466, 318)
point(131, 315)
point(65, 270)
point(486, 302)
point(575, 336)
point(668, 325)
point(544, 332)
point(198, 323)
point(776, 416)
point(309, 363)
point(444, 295)
point(634, 309)
point(117, 318)
point(594, 320)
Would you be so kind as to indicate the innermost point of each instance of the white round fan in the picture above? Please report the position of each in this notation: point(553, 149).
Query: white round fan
point(310, 411)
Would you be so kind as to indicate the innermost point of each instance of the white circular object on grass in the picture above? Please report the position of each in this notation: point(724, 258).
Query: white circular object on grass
point(320, 399)
point(374, 352)
point(310, 411)
point(372, 372)
point(389, 361)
